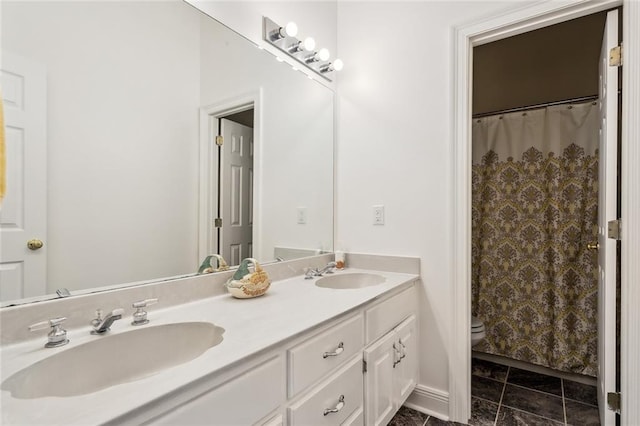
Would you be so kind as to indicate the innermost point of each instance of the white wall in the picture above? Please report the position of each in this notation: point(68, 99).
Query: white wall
point(395, 148)
point(122, 141)
point(296, 150)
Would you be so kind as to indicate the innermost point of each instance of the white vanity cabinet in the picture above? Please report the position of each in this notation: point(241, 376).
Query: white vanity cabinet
point(245, 399)
point(334, 401)
point(391, 360)
point(356, 369)
point(368, 387)
point(325, 375)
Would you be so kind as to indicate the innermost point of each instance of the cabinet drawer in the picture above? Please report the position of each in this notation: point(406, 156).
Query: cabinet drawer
point(313, 358)
point(384, 316)
point(243, 400)
point(346, 382)
point(355, 419)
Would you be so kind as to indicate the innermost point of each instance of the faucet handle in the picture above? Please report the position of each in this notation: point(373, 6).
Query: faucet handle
point(144, 303)
point(57, 336)
point(140, 315)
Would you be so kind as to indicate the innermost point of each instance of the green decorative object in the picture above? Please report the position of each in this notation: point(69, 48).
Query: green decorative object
point(246, 284)
point(207, 267)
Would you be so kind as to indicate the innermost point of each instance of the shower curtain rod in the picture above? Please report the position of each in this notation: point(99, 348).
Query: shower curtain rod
point(544, 105)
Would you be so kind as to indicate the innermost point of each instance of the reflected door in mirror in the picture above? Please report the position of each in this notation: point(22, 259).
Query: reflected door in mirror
point(23, 212)
point(236, 191)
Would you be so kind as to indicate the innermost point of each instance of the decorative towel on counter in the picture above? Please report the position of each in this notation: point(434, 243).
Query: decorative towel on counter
point(207, 267)
point(3, 159)
point(245, 284)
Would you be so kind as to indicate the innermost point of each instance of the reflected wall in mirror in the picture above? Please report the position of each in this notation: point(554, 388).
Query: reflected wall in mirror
point(113, 93)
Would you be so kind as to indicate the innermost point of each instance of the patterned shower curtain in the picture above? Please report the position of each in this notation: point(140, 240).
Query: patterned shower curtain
point(535, 209)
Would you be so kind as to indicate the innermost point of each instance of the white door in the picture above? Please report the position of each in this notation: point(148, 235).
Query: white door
point(237, 192)
point(407, 369)
point(23, 213)
point(379, 381)
point(607, 211)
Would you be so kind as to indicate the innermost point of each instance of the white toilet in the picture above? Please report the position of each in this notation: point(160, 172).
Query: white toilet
point(477, 331)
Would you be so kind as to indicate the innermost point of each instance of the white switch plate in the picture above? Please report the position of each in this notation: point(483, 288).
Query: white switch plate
point(302, 215)
point(378, 215)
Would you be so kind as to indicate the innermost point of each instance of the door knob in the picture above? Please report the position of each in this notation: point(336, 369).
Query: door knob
point(34, 244)
point(593, 246)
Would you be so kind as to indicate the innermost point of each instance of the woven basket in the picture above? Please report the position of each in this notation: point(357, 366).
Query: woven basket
point(245, 284)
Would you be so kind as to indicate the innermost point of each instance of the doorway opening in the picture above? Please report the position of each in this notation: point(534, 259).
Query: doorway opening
point(230, 155)
point(467, 37)
point(538, 204)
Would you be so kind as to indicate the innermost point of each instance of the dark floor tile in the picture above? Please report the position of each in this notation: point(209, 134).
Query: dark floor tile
point(542, 404)
point(483, 413)
point(580, 392)
point(537, 381)
point(579, 414)
point(488, 389)
point(437, 422)
point(408, 417)
point(511, 417)
point(488, 369)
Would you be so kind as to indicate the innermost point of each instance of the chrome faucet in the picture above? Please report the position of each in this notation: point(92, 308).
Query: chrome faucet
point(140, 315)
point(315, 272)
point(101, 325)
point(57, 336)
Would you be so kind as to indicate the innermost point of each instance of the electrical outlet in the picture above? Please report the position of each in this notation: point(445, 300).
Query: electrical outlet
point(378, 215)
point(302, 215)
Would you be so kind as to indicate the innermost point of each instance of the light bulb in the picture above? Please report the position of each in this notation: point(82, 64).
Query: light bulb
point(324, 54)
point(309, 44)
point(291, 29)
point(338, 64)
point(279, 59)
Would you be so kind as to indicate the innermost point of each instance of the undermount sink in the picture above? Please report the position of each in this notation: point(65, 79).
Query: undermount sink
point(350, 280)
point(114, 359)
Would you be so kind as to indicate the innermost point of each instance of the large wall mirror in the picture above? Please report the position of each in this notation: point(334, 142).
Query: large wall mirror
point(111, 113)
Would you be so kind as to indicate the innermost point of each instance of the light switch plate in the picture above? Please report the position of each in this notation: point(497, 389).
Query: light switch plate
point(302, 215)
point(378, 214)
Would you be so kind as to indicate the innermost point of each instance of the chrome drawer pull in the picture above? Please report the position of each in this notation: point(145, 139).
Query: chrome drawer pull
point(402, 349)
point(337, 408)
point(396, 356)
point(337, 352)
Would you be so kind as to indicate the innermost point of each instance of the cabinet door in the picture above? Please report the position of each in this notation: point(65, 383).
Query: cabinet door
point(378, 381)
point(406, 371)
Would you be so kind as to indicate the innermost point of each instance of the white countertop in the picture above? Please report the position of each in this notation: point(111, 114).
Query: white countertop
point(290, 307)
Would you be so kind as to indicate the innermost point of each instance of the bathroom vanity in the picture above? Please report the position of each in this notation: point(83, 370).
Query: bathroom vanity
point(300, 354)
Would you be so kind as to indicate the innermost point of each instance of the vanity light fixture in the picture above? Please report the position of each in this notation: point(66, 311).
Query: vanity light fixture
point(323, 54)
point(337, 65)
point(309, 44)
point(302, 51)
point(295, 48)
point(289, 30)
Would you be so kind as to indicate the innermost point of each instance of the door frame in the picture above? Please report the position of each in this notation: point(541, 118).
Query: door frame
point(483, 31)
point(209, 116)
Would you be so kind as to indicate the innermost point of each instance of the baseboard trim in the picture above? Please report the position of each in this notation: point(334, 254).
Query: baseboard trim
point(430, 401)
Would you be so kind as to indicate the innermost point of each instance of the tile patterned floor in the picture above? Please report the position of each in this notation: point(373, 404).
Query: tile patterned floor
point(507, 396)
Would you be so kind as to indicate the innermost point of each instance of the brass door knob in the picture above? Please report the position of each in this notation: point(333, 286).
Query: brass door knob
point(34, 244)
point(593, 246)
